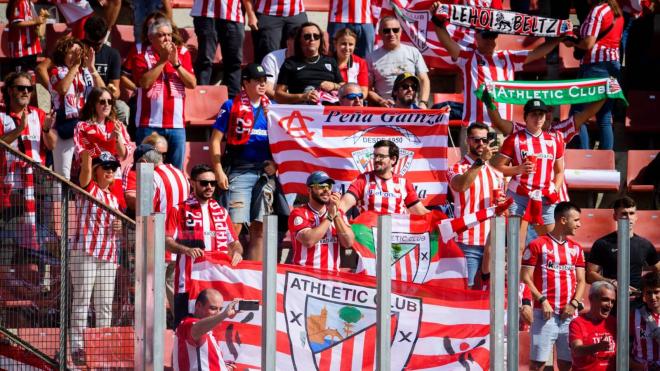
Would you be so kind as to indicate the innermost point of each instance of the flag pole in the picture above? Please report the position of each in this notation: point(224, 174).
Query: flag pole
point(383, 292)
point(622, 294)
point(497, 274)
point(513, 278)
point(269, 295)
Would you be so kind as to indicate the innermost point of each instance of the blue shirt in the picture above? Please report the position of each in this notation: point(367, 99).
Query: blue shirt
point(257, 149)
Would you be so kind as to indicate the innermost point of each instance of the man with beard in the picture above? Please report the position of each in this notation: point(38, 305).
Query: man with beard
point(319, 228)
point(475, 185)
point(405, 90)
point(194, 226)
point(645, 327)
point(553, 269)
point(380, 190)
point(592, 334)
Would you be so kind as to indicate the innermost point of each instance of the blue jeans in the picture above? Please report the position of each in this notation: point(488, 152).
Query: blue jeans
point(604, 116)
point(365, 36)
point(241, 194)
point(474, 254)
point(176, 143)
point(520, 203)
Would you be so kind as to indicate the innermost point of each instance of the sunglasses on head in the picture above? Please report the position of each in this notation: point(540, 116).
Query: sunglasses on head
point(107, 102)
point(408, 86)
point(394, 30)
point(353, 96)
point(24, 88)
point(482, 140)
point(311, 36)
point(323, 187)
point(206, 183)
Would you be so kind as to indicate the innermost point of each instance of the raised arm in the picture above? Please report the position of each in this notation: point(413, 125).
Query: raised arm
point(205, 325)
point(542, 50)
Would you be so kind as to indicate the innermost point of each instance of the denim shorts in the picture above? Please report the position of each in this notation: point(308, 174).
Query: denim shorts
point(545, 334)
point(241, 194)
point(519, 206)
point(474, 254)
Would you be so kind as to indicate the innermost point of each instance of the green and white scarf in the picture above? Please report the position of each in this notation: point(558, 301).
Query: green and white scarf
point(551, 92)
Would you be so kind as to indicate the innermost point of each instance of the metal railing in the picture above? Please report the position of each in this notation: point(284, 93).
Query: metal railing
point(67, 271)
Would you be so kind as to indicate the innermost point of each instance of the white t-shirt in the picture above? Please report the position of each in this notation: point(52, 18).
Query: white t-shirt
point(385, 65)
point(272, 63)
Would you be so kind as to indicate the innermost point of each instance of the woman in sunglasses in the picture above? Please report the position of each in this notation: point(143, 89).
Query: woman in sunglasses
point(351, 67)
point(308, 77)
point(100, 131)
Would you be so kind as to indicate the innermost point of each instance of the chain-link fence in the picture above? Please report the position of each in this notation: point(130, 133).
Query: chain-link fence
point(66, 270)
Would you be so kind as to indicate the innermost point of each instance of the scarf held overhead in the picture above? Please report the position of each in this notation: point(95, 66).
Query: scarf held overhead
point(551, 92)
point(503, 21)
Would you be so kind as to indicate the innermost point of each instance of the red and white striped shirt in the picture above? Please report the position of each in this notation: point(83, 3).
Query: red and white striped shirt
point(478, 197)
point(555, 265)
point(74, 99)
point(171, 187)
point(391, 196)
point(350, 11)
point(607, 48)
point(29, 142)
point(230, 10)
point(645, 348)
point(547, 147)
point(161, 106)
point(23, 41)
point(95, 233)
point(325, 253)
point(478, 69)
point(358, 73)
point(279, 8)
point(201, 355)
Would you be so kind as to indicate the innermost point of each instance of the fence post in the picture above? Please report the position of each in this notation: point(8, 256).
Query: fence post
point(383, 292)
point(144, 240)
point(622, 294)
point(64, 275)
point(497, 274)
point(513, 278)
point(269, 295)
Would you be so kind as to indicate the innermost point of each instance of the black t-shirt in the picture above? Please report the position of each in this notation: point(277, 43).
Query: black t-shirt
point(604, 253)
point(298, 75)
point(108, 63)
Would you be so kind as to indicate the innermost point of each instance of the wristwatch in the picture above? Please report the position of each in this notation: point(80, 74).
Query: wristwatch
point(579, 305)
point(478, 162)
point(176, 66)
point(541, 299)
point(331, 219)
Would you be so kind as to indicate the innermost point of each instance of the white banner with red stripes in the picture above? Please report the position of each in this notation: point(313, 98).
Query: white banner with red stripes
point(339, 141)
point(327, 320)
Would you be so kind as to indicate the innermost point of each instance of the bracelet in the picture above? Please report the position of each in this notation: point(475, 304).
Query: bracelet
point(541, 299)
point(331, 219)
point(176, 66)
point(45, 130)
point(526, 302)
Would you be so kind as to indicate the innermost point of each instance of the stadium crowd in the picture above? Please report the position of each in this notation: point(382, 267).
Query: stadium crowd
point(220, 205)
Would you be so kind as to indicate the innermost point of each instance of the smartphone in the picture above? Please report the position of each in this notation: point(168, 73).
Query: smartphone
point(492, 138)
point(248, 305)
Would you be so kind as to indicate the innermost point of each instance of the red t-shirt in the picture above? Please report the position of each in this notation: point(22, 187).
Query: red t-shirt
point(590, 333)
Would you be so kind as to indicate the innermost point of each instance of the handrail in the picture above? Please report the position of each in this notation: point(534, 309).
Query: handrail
point(23, 157)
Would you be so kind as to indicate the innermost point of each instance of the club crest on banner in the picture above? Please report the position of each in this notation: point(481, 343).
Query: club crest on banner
point(364, 163)
point(328, 322)
point(411, 255)
point(414, 24)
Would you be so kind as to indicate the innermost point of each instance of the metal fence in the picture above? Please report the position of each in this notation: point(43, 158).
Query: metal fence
point(67, 272)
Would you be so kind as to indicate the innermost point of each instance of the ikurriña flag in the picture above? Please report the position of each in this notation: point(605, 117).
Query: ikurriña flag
point(339, 141)
point(327, 320)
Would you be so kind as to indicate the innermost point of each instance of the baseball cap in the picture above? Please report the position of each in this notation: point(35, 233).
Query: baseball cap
point(405, 76)
point(141, 150)
point(319, 177)
point(105, 158)
point(254, 71)
point(535, 105)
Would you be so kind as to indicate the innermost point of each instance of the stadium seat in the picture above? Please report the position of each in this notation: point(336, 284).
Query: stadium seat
point(317, 5)
point(647, 225)
point(568, 62)
point(109, 347)
point(587, 159)
point(182, 4)
point(122, 38)
point(643, 112)
point(203, 104)
point(54, 32)
point(595, 224)
point(46, 339)
point(449, 97)
point(196, 153)
point(637, 160)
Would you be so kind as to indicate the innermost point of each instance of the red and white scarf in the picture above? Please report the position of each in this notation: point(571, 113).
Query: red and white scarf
point(241, 118)
point(177, 89)
point(534, 211)
point(191, 230)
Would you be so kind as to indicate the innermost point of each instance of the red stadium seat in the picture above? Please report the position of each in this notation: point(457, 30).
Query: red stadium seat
point(109, 347)
point(203, 104)
point(569, 63)
point(317, 5)
point(637, 160)
point(647, 225)
point(54, 32)
point(587, 159)
point(643, 112)
point(122, 38)
point(595, 224)
point(183, 4)
point(46, 339)
point(196, 153)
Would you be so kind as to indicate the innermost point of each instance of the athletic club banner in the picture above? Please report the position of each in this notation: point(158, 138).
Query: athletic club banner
point(503, 21)
point(327, 320)
point(339, 141)
point(553, 92)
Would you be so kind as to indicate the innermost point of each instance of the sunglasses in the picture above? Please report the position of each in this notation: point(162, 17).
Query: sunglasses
point(322, 187)
point(109, 167)
point(380, 157)
point(408, 86)
point(24, 88)
point(206, 183)
point(394, 30)
point(353, 96)
point(479, 140)
point(311, 36)
point(106, 102)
